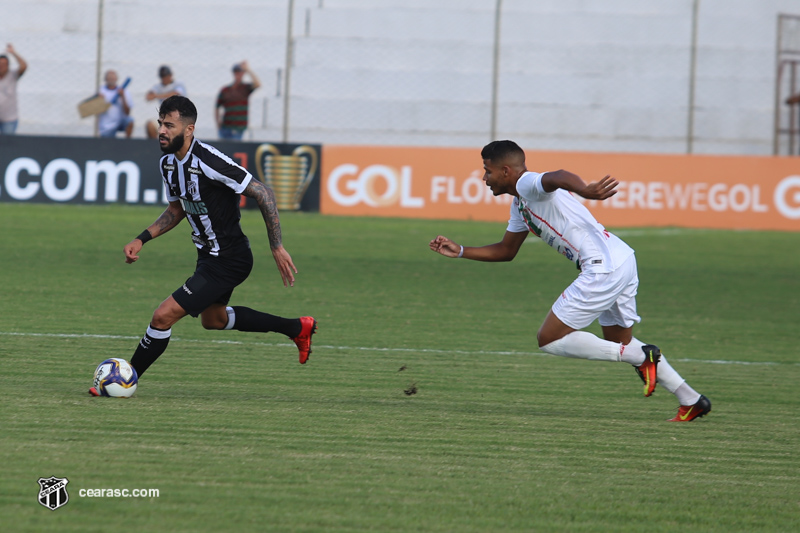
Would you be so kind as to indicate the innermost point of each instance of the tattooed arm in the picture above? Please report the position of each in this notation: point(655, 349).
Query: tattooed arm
point(170, 218)
point(265, 199)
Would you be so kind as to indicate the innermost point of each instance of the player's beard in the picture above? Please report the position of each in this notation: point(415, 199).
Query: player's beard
point(174, 145)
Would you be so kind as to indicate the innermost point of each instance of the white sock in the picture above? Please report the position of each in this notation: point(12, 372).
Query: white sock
point(632, 352)
point(685, 394)
point(669, 378)
point(158, 333)
point(231, 318)
point(584, 345)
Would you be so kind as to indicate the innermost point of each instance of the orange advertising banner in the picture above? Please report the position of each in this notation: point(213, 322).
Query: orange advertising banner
point(697, 191)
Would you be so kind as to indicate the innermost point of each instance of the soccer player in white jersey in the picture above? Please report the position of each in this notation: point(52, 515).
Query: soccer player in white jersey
point(203, 187)
point(606, 288)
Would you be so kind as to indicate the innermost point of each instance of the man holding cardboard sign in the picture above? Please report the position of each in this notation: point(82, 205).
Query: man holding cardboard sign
point(117, 117)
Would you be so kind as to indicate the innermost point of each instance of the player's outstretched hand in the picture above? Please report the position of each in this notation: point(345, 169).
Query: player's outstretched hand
point(132, 250)
point(600, 190)
point(445, 246)
point(285, 265)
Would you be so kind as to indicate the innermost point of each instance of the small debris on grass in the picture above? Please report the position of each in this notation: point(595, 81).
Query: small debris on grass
point(412, 389)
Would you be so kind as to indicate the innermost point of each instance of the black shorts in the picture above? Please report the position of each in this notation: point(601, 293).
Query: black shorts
point(214, 279)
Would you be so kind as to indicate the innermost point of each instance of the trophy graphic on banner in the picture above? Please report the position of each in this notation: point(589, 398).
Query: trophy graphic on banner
point(287, 175)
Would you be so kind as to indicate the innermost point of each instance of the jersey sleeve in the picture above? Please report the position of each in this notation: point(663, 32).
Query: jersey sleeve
point(516, 224)
point(219, 167)
point(170, 197)
point(529, 186)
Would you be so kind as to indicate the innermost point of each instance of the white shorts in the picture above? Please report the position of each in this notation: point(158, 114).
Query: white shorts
point(609, 297)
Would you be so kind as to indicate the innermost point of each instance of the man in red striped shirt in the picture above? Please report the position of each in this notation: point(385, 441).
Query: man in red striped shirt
point(233, 102)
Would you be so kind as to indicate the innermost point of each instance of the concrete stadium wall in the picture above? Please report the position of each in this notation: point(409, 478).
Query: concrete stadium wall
point(598, 75)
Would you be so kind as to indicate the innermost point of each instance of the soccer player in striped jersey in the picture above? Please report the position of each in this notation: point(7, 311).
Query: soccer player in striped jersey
point(203, 186)
point(606, 288)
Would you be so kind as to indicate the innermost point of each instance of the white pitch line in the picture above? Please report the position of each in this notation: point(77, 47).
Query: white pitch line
point(366, 348)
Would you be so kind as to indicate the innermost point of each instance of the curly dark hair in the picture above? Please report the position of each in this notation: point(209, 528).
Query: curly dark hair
point(181, 104)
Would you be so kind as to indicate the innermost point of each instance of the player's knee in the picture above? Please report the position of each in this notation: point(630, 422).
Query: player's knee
point(161, 320)
point(165, 317)
point(547, 337)
point(542, 338)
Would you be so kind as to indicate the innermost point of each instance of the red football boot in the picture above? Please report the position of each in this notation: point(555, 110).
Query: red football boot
point(687, 413)
point(303, 340)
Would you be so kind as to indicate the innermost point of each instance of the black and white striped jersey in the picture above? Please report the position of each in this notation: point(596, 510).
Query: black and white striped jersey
point(208, 184)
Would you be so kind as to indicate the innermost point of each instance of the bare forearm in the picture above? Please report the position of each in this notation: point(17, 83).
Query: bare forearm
point(164, 96)
point(596, 190)
point(265, 199)
point(22, 64)
point(490, 253)
point(505, 250)
point(170, 218)
point(254, 81)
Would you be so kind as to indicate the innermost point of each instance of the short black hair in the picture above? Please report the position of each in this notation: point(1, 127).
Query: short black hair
point(182, 105)
point(3, 56)
point(498, 150)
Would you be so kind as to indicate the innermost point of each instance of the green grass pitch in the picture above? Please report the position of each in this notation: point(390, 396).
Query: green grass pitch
point(237, 436)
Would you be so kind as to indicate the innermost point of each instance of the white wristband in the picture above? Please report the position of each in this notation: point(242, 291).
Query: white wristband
point(461, 253)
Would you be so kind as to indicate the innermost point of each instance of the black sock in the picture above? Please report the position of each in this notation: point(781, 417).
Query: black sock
point(150, 348)
point(246, 319)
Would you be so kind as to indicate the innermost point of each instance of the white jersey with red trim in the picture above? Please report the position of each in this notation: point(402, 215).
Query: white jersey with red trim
point(565, 224)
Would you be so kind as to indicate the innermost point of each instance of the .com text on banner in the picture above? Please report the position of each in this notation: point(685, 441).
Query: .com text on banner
point(733, 192)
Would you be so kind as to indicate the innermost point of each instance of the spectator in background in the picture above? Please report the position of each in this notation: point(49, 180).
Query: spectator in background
point(793, 100)
point(118, 116)
point(8, 91)
point(161, 91)
point(234, 101)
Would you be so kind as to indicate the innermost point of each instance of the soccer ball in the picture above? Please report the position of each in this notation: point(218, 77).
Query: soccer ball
point(115, 377)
